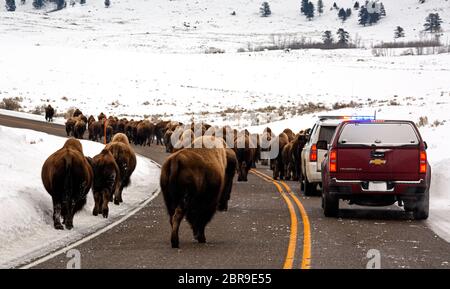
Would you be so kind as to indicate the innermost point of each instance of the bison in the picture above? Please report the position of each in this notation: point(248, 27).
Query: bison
point(276, 163)
point(106, 181)
point(299, 143)
point(126, 160)
point(49, 113)
point(245, 153)
point(77, 113)
point(192, 182)
point(79, 128)
point(67, 176)
point(286, 155)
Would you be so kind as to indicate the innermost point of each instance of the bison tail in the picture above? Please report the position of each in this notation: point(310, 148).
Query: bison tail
point(68, 175)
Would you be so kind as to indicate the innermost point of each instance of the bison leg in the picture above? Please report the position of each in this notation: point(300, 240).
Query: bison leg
point(105, 208)
point(176, 221)
point(97, 200)
point(68, 218)
point(118, 195)
point(57, 216)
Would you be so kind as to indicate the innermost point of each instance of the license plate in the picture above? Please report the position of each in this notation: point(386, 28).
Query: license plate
point(378, 186)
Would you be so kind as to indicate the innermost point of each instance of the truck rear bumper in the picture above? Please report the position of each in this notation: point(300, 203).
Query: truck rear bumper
point(404, 189)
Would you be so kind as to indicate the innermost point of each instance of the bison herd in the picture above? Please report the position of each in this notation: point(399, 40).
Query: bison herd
point(196, 178)
point(68, 175)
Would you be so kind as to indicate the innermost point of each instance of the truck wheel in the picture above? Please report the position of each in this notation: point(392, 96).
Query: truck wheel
point(330, 204)
point(422, 207)
point(309, 188)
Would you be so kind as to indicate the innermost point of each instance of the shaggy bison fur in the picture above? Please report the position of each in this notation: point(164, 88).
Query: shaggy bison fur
point(67, 176)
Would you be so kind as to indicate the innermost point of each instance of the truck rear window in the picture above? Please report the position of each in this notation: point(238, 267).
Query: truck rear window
point(326, 133)
point(379, 134)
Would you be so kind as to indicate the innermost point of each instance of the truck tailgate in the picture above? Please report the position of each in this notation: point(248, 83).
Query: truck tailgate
point(378, 164)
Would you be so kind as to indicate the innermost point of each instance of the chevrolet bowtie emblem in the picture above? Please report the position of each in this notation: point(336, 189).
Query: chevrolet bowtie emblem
point(377, 162)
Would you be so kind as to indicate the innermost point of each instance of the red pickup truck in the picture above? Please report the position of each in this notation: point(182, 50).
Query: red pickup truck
point(376, 163)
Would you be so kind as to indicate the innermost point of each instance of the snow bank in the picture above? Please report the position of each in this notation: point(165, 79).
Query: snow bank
point(26, 225)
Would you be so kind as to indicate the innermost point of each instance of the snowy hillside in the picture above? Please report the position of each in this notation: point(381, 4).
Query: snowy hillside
point(193, 26)
point(26, 225)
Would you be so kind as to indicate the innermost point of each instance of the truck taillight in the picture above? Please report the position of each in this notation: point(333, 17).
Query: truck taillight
point(333, 161)
point(423, 162)
point(313, 153)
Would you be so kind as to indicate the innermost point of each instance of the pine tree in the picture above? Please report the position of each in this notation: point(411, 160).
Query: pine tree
point(327, 38)
point(264, 10)
point(342, 14)
point(38, 4)
point(373, 18)
point(10, 5)
point(320, 7)
point(433, 23)
point(304, 6)
point(356, 6)
point(60, 4)
point(310, 11)
point(23, 2)
point(363, 16)
point(348, 12)
point(343, 37)
point(107, 3)
point(335, 6)
point(382, 10)
point(399, 32)
point(82, 2)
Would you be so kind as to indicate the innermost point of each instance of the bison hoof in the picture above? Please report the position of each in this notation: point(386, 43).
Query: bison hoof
point(69, 226)
point(105, 214)
point(94, 212)
point(59, 226)
point(116, 202)
point(175, 244)
point(201, 239)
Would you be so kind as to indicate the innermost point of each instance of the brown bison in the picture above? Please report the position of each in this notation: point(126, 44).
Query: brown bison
point(101, 116)
point(276, 163)
point(95, 130)
point(286, 155)
point(192, 181)
point(67, 176)
point(290, 134)
point(245, 153)
point(229, 176)
point(49, 113)
point(160, 130)
point(143, 133)
point(299, 143)
point(79, 128)
point(106, 181)
point(70, 124)
point(126, 160)
point(77, 113)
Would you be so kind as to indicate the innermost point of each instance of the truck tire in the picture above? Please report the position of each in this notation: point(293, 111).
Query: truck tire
point(330, 205)
point(309, 188)
point(422, 207)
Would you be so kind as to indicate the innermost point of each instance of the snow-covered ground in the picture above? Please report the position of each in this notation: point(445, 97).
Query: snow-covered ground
point(178, 86)
point(194, 26)
point(26, 225)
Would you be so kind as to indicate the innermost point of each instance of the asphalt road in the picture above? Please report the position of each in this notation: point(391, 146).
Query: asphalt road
point(263, 228)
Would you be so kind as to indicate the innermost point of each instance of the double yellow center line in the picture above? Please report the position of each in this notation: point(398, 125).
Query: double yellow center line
point(290, 256)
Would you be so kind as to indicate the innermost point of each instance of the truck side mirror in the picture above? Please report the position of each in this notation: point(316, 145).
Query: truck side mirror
point(322, 145)
point(425, 144)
